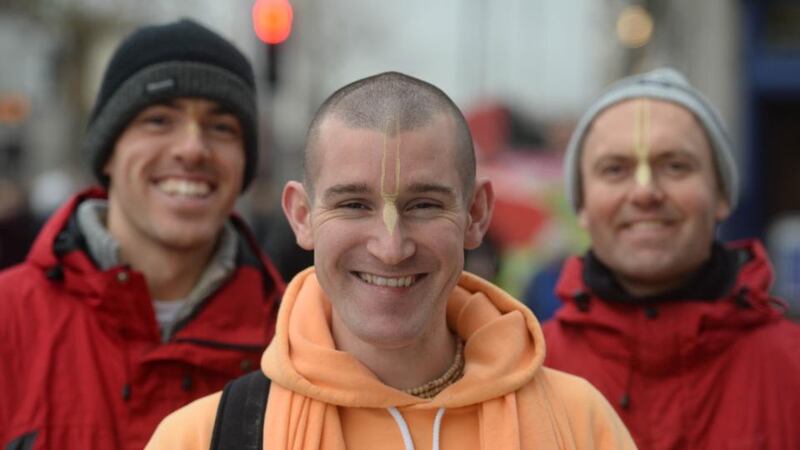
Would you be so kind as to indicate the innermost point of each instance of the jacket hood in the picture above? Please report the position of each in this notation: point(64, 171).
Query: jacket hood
point(60, 253)
point(302, 354)
point(43, 251)
point(675, 329)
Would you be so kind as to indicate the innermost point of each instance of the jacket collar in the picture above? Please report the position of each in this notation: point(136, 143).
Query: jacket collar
point(654, 335)
point(61, 252)
point(713, 280)
point(51, 244)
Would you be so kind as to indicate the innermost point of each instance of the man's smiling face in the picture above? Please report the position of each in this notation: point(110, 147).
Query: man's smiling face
point(175, 172)
point(388, 278)
point(651, 196)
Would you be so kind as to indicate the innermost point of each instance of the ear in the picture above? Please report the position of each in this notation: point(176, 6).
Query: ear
point(297, 208)
point(480, 214)
point(583, 218)
point(723, 209)
point(107, 165)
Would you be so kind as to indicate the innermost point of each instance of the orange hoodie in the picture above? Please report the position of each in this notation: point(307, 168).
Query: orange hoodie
point(322, 398)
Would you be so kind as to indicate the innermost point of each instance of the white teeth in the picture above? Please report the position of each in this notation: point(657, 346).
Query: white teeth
point(183, 187)
point(648, 224)
point(383, 281)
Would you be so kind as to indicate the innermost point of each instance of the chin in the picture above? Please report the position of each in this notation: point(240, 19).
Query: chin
point(188, 237)
point(652, 272)
point(643, 267)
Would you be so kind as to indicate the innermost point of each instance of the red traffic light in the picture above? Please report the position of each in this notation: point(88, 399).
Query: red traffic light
point(272, 20)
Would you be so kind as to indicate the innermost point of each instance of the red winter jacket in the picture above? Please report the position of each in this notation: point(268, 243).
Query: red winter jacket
point(721, 374)
point(82, 365)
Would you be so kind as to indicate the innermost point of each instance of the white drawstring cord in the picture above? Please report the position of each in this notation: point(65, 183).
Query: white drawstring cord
point(437, 425)
point(401, 423)
point(404, 431)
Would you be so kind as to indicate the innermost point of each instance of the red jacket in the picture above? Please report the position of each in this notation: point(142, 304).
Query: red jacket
point(82, 365)
point(718, 374)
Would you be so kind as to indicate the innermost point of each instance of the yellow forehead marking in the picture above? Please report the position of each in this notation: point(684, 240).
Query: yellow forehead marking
point(644, 175)
point(193, 125)
point(390, 214)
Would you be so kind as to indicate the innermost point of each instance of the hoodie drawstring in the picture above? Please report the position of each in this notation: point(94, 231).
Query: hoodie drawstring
point(401, 423)
point(437, 426)
point(404, 431)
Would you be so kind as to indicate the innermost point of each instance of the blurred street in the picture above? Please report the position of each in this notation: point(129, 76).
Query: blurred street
point(521, 70)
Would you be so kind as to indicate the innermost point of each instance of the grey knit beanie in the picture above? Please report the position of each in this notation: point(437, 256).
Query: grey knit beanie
point(156, 63)
point(661, 84)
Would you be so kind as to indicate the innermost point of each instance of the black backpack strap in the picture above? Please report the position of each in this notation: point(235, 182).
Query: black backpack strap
point(240, 416)
point(24, 442)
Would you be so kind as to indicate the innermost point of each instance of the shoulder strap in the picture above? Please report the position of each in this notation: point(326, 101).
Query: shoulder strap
point(240, 416)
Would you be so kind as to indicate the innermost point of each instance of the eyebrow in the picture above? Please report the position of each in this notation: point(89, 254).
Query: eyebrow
point(653, 153)
point(676, 152)
point(364, 188)
point(427, 188)
point(222, 110)
point(342, 189)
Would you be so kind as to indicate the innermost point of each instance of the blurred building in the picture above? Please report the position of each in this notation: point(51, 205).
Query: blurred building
point(543, 59)
point(546, 58)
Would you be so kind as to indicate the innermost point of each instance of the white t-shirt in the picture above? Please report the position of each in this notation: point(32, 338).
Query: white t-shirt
point(167, 311)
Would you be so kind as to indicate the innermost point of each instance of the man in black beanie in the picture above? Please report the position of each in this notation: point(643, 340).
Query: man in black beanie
point(145, 294)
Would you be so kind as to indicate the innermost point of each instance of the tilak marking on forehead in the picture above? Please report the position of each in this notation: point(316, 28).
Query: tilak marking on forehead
point(644, 175)
point(390, 214)
point(193, 125)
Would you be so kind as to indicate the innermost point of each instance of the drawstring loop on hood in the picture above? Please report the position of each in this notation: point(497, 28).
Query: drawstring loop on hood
point(741, 298)
point(404, 431)
point(745, 300)
point(582, 300)
point(625, 398)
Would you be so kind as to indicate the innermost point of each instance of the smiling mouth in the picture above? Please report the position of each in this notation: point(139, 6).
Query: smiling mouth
point(378, 280)
point(181, 187)
point(647, 225)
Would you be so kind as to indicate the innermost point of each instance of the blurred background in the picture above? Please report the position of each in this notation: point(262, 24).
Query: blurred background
point(521, 70)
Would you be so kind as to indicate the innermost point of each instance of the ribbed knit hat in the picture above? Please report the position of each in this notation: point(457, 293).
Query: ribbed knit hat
point(156, 63)
point(662, 84)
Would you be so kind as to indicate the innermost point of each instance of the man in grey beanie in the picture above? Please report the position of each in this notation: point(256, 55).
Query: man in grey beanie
point(148, 292)
point(676, 329)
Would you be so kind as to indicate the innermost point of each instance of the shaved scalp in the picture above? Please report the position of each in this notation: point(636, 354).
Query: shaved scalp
point(405, 102)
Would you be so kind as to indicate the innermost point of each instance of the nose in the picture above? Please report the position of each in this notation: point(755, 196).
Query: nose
point(191, 147)
point(391, 248)
point(647, 194)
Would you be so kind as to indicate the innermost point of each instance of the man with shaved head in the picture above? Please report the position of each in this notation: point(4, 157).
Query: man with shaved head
point(677, 330)
point(406, 103)
point(386, 342)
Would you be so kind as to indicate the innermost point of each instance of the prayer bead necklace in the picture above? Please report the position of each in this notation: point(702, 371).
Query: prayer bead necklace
point(454, 373)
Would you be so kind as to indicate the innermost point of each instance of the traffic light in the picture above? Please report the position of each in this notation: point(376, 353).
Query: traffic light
point(272, 23)
point(272, 20)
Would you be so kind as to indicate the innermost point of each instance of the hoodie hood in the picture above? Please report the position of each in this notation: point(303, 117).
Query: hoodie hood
point(322, 398)
point(302, 353)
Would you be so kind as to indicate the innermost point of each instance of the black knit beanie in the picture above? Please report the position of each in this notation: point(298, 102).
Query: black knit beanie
point(179, 59)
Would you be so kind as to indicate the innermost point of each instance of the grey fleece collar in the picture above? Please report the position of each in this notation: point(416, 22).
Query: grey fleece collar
point(104, 249)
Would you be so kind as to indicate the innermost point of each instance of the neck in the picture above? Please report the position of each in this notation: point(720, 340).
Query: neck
point(405, 366)
point(171, 272)
point(645, 288)
point(711, 279)
point(652, 287)
point(170, 275)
